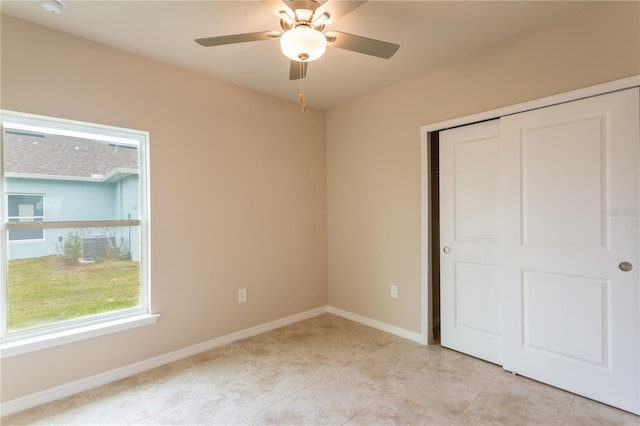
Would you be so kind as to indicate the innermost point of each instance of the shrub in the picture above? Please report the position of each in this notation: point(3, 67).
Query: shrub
point(70, 249)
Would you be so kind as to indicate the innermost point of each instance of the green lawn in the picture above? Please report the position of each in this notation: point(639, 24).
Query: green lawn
point(44, 289)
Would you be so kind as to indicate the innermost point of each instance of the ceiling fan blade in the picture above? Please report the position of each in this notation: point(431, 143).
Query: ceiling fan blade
point(359, 44)
point(237, 38)
point(297, 70)
point(338, 9)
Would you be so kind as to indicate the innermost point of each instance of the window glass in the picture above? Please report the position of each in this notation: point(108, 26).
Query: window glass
point(83, 178)
point(74, 224)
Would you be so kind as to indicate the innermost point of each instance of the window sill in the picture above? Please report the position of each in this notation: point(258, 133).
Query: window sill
point(75, 335)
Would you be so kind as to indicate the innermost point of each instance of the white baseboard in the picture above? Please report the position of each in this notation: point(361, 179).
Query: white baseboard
point(68, 389)
point(401, 332)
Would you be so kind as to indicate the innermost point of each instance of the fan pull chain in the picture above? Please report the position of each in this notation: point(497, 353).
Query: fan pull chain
point(301, 94)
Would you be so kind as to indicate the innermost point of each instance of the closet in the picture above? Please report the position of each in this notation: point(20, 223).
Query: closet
point(539, 244)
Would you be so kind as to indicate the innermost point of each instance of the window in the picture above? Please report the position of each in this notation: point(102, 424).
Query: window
point(25, 208)
point(74, 227)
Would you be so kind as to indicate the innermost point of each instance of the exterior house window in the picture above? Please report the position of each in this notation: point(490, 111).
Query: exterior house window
point(74, 230)
point(25, 208)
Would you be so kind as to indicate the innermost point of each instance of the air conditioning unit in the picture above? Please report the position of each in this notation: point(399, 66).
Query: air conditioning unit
point(98, 246)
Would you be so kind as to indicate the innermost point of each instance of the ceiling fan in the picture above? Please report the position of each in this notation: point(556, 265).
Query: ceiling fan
point(302, 39)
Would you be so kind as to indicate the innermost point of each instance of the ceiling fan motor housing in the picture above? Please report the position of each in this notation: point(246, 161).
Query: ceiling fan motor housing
point(302, 39)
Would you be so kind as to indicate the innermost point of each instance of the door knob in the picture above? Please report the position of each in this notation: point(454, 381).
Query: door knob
point(446, 249)
point(625, 266)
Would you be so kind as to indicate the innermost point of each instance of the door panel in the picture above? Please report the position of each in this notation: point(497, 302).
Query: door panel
point(571, 216)
point(477, 184)
point(471, 230)
point(581, 336)
point(477, 287)
point(563, 198)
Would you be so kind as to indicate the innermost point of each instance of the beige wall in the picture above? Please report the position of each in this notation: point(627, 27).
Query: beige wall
point(373, 147)
point(238, 199)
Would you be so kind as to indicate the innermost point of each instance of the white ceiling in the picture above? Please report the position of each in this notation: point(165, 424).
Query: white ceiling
point(429, 33)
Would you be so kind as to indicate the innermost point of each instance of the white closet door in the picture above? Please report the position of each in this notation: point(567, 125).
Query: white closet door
point(571, 221)
point(471, 240)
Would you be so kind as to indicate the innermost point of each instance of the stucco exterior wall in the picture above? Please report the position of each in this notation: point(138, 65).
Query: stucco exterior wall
point(64, 200)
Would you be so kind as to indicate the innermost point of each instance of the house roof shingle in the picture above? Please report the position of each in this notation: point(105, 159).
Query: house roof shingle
point(64, 156)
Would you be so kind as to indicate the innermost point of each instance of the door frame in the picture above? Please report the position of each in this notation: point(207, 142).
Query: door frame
point(426, 139)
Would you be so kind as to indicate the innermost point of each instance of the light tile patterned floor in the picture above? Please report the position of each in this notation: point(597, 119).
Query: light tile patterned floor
point(325, 371)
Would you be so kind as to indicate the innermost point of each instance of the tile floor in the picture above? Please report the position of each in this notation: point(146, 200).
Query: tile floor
point(325, 371)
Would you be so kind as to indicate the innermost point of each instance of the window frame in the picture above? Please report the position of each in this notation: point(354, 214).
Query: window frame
point(35, 218)
point(61, 332)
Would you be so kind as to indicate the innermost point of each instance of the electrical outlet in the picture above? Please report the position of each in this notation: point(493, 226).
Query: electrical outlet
point(242, 295)
point(394, 291)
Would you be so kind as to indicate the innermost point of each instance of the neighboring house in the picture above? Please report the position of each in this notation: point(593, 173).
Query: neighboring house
point(52, 178)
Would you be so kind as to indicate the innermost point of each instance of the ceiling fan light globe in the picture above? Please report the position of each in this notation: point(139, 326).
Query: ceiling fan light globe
point(303, 44)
